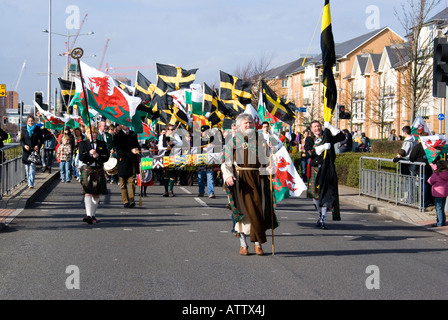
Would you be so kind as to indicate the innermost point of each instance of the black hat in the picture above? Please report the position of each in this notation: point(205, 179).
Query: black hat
point(204, 128)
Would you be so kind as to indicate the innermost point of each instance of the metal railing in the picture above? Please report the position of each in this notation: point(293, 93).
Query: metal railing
point(384, 179)
point(12, 172)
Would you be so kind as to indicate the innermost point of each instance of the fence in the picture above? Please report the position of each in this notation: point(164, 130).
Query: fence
point(12, 171)
point(384, 179)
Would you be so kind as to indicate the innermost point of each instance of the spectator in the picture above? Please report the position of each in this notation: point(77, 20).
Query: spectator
point(49, 148)
point(347, 144)
point(392, 135)
point(31, 139)
point(365, 143)
point(439, 183)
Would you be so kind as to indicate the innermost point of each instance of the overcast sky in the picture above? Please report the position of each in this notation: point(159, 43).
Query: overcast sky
point(207, 34)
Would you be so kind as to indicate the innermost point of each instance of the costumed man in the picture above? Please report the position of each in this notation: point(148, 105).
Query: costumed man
point(128, 153)
point(247, 179)
point(93, 153)
point(105, 136)
point(323, 182)
point(169, 144)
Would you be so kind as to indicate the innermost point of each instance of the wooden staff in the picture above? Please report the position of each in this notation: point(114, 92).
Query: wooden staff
point(272, 203)
point(77, 53)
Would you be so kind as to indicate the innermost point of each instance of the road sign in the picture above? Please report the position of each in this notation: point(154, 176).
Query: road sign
point(441, 117)
point(301, 109)
point(2, 90)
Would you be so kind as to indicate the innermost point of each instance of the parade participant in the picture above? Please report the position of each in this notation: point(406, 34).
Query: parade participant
point(128, 155)
point(251, 201)
point(323, 185)
point(49, 148)
point(64, 155)
point(93, 154)
point(169, 144)
point(105, 136)
point(30, 139)
point(79, 136)
point(206, 173)
point(272, 140)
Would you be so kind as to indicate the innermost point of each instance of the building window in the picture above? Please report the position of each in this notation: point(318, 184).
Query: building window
point(284, 83)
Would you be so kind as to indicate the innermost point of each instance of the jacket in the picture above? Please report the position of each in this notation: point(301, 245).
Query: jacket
point(36, 139)
point(64, 152)
point(84, 152)
point(128, 163)
point(439, 182)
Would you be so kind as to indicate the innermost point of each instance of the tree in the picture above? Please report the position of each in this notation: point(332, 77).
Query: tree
point(417, 84)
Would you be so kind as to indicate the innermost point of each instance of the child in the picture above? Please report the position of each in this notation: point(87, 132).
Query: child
point(64, 155)
point(439, 182)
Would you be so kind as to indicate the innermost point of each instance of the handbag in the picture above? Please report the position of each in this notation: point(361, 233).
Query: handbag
point(35, 158)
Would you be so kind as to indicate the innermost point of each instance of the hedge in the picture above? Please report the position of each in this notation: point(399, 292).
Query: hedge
point(347, 165)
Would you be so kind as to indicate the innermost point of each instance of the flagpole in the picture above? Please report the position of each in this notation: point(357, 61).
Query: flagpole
point(77, 54)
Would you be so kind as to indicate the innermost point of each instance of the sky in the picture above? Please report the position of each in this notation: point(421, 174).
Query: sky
point(209, 35)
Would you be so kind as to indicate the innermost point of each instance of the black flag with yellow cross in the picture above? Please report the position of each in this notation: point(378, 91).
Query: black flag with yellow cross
point(279, 108)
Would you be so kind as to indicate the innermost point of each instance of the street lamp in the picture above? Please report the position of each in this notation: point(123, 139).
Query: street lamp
point(67, 54)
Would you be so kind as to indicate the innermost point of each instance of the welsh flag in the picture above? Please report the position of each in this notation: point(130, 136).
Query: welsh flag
point(193, 97)
point(105, 97)
point(419, 126)
point(257, 120)
point(434, 146)
point(265, 115)
point(287, 182)
point(54, 122)
point(147, 133)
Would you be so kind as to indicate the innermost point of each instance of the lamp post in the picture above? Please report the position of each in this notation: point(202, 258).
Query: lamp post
point(67, 54)
point(49, 57)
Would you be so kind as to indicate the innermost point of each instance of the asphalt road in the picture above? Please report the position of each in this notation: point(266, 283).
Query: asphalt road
point(182, 248)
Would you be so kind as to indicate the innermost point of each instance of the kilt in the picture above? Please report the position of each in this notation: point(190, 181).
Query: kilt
point(93, 180)
point(312, 191)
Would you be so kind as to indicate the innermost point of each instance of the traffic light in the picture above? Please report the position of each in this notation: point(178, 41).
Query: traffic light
point(5, 120)
point(38, 97)
point(342, 113)
point(440, 68)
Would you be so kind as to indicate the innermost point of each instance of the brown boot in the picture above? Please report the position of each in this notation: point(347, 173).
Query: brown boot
point(244, 251)
point(258, 250)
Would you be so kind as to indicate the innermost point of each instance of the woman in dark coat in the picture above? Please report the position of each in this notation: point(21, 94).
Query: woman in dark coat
point(128, 150)
point(93, 153)
point(31, 139)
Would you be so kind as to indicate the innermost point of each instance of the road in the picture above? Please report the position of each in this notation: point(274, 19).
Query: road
point(182, 248)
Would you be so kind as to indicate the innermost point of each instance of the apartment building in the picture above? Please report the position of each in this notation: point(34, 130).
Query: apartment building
point(371, 77)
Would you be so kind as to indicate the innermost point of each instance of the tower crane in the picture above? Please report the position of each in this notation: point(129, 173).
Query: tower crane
point(104, 53)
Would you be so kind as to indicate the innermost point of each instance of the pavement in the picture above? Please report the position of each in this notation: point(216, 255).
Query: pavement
point(21, 197)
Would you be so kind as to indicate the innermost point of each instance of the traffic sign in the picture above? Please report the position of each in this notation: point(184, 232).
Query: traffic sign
point(441, 117)
point(301, 109)
point(2, 90)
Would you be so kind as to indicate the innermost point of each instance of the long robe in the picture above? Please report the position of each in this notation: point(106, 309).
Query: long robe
point(250, 194)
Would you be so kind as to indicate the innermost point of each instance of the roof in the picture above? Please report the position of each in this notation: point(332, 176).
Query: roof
point(284, 70)
point(442, 16)
point(398, 55)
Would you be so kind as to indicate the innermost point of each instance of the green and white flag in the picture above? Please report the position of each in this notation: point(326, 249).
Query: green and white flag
point(435, 146)
point(54, 122)
point(193, 97)
point(109, 100)
point(287, 182)
point(419, 126)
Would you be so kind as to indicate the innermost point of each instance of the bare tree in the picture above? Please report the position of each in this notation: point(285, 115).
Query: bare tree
point(381, 98)
point(418, 74)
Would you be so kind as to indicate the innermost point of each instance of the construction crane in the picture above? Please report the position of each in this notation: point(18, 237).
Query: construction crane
point(20, 76)
point(104, 53)
point(116, 74)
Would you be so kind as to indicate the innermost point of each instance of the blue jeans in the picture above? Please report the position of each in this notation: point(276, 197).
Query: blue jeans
point(210, 181)
point(64, 168)
point(440, 211)
point(30, 171)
